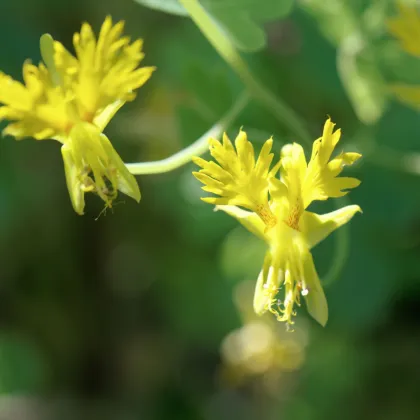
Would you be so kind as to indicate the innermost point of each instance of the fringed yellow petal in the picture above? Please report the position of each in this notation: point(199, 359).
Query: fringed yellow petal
point(293, 172)
point(328, 142)
point(106, 69)
point(321, 179)
point(14, 94)
point(277, 189)
point(235, 176)
point(245, 151)
point(90, 87)
point(293, 165)
point(337, 165)
point(339, 187)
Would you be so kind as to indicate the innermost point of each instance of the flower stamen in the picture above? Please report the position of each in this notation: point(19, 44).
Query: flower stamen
point(266, 215)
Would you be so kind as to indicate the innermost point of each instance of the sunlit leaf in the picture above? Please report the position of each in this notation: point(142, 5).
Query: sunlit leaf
point(362, 80)
point(169, 6)
point(241, 29)
point(336, 19)
point(241, 20)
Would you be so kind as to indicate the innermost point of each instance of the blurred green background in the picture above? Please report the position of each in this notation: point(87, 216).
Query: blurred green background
point(144, 313)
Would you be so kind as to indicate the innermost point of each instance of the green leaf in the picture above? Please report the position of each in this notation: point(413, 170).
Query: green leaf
point(168, 6)
point(258, 10)
point(241, 29)
point(336, 19)
point(241, 19)
point(361, 79)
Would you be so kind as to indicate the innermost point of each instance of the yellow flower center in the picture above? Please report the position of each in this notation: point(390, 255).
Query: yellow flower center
point(293, 218)
point(266, 215)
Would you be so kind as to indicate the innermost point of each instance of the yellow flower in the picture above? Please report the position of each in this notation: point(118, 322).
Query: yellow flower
point(72, 98)
point(278, 212)
point(406, 28)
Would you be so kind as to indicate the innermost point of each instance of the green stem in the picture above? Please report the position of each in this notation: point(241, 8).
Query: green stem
point(197, 148)
point(225, 48)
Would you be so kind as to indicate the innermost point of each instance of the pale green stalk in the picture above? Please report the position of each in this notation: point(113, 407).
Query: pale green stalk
point(226, 49)
point(197, 148)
